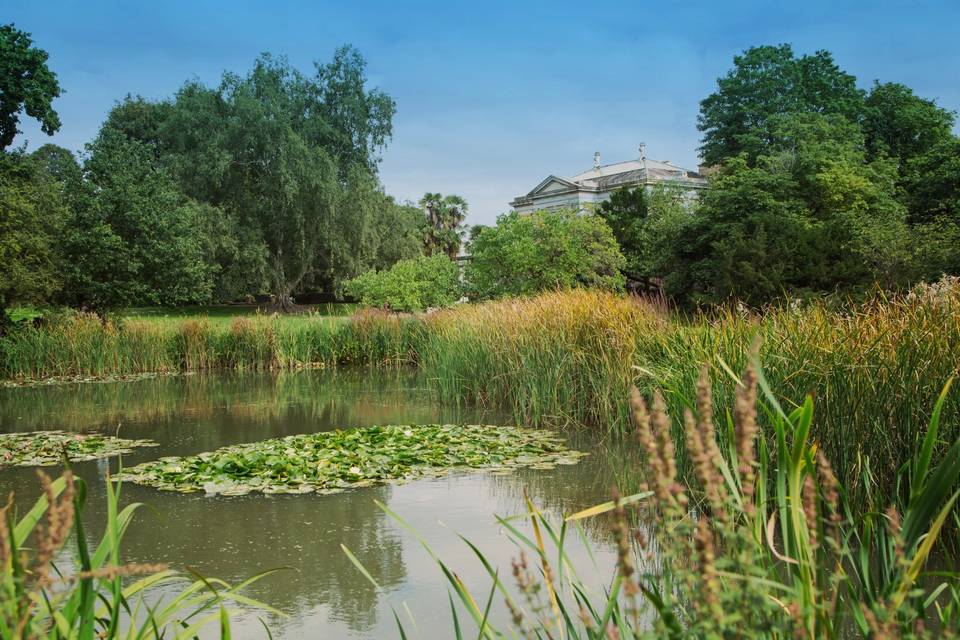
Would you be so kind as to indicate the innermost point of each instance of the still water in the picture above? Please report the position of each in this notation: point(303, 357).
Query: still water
point(232, 538)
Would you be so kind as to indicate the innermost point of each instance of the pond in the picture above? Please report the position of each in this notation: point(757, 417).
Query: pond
point(235, 537)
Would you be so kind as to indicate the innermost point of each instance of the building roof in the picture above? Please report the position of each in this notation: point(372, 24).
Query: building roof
point(632, 171)
point(604, 178)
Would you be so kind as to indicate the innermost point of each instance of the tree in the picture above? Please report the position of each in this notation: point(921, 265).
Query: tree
point(409, 285)
point(809, 215)
point(31, 214)
point(902, 125)
point(132, 237)
point(767, 82)
point(292, 157)
point(358, 121)
point(26, 85)
point(647, 225)
point(932, 184)
point(526, 254)
point(443, 230)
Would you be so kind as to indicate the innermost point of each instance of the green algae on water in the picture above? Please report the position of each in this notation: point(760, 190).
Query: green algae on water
point(332, 461)
point(44, 448)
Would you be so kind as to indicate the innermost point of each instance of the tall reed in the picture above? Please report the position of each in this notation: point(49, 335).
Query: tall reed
point(759, 543)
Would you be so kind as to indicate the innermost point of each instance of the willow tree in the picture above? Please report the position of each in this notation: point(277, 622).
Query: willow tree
point(282, 152)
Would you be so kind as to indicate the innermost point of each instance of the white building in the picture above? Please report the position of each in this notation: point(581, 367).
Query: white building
point(595, 185)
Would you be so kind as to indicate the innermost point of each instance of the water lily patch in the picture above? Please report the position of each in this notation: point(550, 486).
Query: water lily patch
point(43, 448)
point(332, 461)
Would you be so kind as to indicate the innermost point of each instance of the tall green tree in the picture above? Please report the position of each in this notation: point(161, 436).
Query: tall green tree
point(288, 155)
point(765, 83)
point(443, 229)
point(27, 85)
point(132, 237)
point(32, 213)
point(932, 184)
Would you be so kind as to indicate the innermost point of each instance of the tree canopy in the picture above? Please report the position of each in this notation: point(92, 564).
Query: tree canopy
point(528, 253)
point(766, 82)
point(443, 229)
point(27, 85)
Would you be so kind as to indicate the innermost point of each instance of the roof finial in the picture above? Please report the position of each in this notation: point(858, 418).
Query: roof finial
point(643, 150)
point(596, 159)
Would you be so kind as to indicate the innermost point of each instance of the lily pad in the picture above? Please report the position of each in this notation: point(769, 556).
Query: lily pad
point(331, 461)
point(44, 448)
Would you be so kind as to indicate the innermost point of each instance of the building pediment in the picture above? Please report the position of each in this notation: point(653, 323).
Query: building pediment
point(553, 184)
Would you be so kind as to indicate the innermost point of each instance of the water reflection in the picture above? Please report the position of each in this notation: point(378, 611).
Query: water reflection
point(234, 537)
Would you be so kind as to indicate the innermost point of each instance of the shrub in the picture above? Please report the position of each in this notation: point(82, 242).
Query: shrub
point(410, 285)
point(527, 254)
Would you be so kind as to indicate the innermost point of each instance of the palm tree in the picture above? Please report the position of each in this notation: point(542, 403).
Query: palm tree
point(443, 227)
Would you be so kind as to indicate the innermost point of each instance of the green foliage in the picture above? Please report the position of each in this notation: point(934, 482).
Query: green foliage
point(26, 85)
point(443, 228)
point(32, 212)
point(527, 254)
point(132, 236)
point(331, 461)
point(90, 592)
point(648, 226)
point(902, 125)
point(289, 161)
point(767, 82)
point(409, 285)
point(932, 184)
point(810, 214)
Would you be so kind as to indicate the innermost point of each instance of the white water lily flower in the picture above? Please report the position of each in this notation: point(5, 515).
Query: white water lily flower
point(355, 470)
point(408, 432)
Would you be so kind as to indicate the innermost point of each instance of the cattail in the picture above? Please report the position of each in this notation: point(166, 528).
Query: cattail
point(745, 418)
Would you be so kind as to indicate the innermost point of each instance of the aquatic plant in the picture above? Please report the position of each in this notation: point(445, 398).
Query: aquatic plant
point(727, 553)
point(571, 356)
point(48, 590)
point(41, 448)
point(331, 461)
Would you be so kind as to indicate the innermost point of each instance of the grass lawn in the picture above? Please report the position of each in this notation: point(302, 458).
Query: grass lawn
point(217, 314)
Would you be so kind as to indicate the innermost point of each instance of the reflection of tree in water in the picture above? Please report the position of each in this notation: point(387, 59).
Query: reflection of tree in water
point(262, 397)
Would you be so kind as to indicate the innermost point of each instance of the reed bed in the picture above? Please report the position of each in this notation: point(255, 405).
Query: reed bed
point(570, 357)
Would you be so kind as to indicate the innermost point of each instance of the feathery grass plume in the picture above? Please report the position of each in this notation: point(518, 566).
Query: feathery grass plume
point(709, 602)
point(745, 425)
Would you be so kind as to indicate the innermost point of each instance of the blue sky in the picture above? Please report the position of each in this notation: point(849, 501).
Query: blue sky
point(491, 96)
